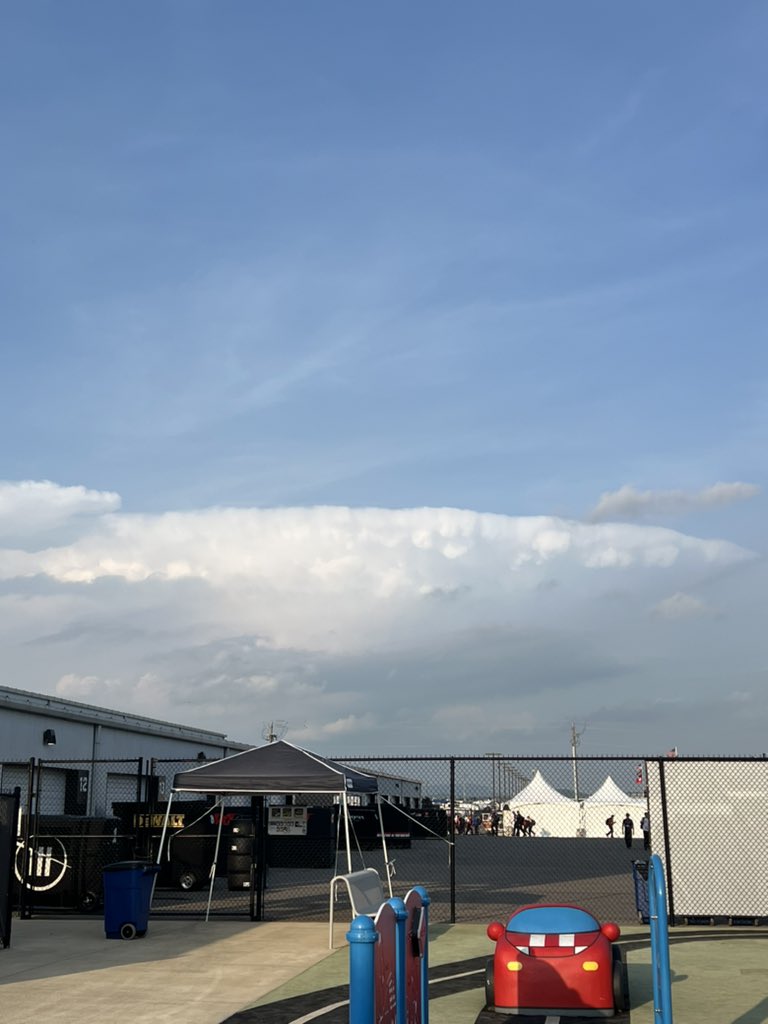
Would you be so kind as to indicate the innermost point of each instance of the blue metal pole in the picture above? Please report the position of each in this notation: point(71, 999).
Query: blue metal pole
point(362, 937)
point(401, 916)
point(662, 984)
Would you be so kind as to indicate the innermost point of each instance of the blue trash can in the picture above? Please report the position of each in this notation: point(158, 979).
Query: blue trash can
point(640, 878)
point(127, 895)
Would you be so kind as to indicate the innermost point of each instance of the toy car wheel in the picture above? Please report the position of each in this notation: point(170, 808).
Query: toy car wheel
point(489, 994)
point(188, 879)
point(620, 982)
point(127, 930)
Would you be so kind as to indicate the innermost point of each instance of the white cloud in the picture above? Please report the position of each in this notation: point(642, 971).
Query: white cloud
point(349, 725)
point(682, 606)
point(629, 503)
point(330, 549)
point(28, 506)
point(363, 628)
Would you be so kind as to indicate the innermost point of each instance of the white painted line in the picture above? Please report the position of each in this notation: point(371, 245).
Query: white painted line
point(551, 1020)
point(319, 1013)
point(464, 974)
point(345, 1002)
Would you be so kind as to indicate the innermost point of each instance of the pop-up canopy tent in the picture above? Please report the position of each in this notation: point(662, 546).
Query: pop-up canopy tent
point(274, 769)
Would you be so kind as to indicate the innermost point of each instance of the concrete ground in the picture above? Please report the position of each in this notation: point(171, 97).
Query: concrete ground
point(64, 971)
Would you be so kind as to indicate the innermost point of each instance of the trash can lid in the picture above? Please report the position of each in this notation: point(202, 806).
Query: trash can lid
point(130, 865)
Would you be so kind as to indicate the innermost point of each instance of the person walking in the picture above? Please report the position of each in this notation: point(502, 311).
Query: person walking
point(628, 828)
point(610, 823)
point(645, 828)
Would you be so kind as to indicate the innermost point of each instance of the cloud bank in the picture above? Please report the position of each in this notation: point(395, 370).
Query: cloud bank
point(363, 628)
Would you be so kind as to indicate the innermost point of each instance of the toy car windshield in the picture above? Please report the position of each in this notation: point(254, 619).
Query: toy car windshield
point(552, 921)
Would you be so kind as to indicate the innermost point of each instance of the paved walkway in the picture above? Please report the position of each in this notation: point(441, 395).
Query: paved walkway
point(66, 972)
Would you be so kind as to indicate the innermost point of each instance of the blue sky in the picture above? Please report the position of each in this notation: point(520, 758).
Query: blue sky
point(391, 257)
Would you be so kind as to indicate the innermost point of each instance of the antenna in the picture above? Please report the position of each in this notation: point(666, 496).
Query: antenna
point(575, 740)
point(274, 730)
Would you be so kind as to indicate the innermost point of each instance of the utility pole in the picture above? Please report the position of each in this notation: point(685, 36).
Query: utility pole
point(575, 740)
point(493, 754)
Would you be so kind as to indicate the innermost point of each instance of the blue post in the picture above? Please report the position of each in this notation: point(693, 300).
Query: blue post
point(401, 916)
point(662, 985)
point(362, 938)
point(425, 901)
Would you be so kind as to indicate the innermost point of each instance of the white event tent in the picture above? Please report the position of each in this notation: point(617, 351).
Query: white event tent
point(558, 815)
point(554, 813)
point(607, 800)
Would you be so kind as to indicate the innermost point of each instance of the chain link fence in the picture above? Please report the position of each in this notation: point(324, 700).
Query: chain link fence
point(484, 834)
point(712, 836)
point(492, 813)
point(70, 832)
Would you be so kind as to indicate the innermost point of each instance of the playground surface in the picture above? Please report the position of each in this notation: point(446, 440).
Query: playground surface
point(64, 971)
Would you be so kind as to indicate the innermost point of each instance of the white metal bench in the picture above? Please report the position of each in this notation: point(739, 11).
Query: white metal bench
point(366, 894)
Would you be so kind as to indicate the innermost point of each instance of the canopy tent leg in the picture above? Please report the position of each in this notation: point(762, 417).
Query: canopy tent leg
point(215, 858)
point(345, 807)
point(160, 848)
point(384, 845)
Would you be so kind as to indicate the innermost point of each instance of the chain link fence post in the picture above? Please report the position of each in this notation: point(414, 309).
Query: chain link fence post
point(452, 834)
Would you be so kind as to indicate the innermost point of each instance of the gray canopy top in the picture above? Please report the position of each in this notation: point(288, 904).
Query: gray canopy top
point(278, 767)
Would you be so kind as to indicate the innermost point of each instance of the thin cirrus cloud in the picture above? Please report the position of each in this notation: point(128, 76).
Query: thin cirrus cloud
point(629, 503)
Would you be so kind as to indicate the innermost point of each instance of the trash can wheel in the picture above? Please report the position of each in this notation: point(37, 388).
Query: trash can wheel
point(128, 930)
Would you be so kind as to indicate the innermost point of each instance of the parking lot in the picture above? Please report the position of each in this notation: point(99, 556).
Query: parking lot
point(493, 875)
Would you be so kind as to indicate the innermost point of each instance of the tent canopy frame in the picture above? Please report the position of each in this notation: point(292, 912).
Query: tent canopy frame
point(276, 769)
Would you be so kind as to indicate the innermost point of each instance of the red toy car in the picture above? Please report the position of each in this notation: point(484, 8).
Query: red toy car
point(555, 959)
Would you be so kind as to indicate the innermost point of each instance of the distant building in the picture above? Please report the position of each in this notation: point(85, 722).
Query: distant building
point(92, 755)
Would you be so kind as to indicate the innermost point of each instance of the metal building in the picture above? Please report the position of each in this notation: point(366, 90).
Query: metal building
point(57, 730)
